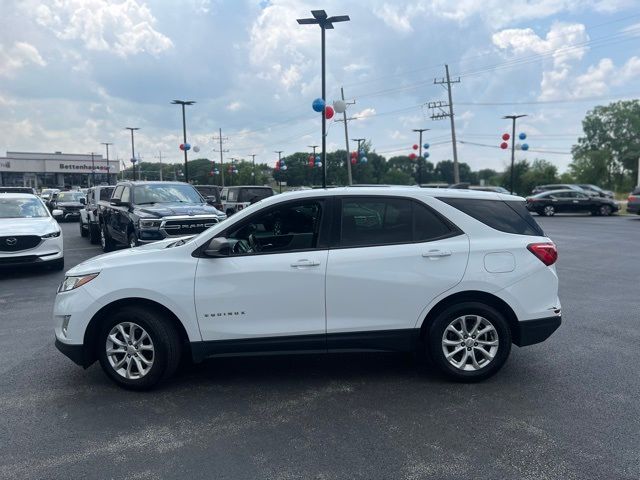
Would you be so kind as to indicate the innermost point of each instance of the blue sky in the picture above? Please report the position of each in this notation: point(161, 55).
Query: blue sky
point(74, 73)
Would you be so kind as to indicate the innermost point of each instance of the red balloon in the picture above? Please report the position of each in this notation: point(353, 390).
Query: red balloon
point(504, 145)
point(182, 146)
point(506, 136)
point(415, 146)
point(354, 154)
point(311, 163)
point(277, 165)
point(413, 156)
point(353, 161)
point(328, 112)
point(311, 159)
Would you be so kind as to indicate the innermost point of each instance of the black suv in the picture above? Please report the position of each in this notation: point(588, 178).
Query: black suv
point(145, 212)
point(89, 215)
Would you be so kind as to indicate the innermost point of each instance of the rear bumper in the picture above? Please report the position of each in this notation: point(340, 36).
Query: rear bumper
point(530, 332)
point(74, 352)
point(633, 208)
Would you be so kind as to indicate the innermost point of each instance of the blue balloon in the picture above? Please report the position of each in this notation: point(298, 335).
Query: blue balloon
point(525, 146)
point(364, 160)
point(283, 167)
point(187, 146)
point(361, 152)
point(426, 145)
point(425, 154)
point(318, 105)
point(282, 163)
point(522, 136)
point(318, 158)
point(318, 164)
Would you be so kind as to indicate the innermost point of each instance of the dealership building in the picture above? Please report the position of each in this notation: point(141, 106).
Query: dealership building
point(55, 170)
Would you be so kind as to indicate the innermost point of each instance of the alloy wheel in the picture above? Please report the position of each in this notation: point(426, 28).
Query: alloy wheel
point(549, 210)
point(605, 210)
point(470, 342)
point(130, 350)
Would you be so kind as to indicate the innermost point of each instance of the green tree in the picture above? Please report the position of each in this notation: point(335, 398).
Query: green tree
point(608, 152)
point(541, 172)
point(521, 167)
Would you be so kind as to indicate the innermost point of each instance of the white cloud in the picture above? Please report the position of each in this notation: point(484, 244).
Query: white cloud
point(392, 16)
point(125, 28)
point(18, 56)
point(363, 114)
point(234, 106)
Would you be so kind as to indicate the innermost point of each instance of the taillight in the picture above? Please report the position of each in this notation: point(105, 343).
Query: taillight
point(632, 198)
point(546, 252)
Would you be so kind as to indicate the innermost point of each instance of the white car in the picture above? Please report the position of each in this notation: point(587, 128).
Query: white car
point(29, 235)
point(457, 273)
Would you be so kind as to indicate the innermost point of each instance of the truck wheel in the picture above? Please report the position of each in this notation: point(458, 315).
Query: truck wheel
point(138, 347)
point(106, 242)
point(133, 240)
point(83, 230)
point(94, 233)
point(469, 342)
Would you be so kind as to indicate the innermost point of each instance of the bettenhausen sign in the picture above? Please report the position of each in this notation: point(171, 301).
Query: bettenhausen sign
point(83, 166)
point(5, 164)
point(56, 163)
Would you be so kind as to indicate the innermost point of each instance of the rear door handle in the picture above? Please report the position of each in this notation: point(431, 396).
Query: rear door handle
point(437, 253)
point(305, 263)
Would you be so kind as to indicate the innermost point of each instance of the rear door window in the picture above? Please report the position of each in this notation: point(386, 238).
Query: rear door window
point(506, 216)
point(105, 193)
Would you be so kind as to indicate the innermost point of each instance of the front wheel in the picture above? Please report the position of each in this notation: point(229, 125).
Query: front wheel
point(138, 347)
point(106, 242)
point(469, 342)
point(605, 210)
point(94, 233)
point(549, 211)
point(83, 231)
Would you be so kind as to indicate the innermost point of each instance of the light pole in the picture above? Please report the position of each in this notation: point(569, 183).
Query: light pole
point(253, 173)
point(133, 150)
point(106, 144)
point(320, 18)
point(93, 171)
point(184, 134)
point(420, 130)
point(279, 152)
point(513, 145)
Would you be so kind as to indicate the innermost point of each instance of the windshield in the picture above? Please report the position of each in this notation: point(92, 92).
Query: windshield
point(169, 193)
point(70, 196)
point(22, 208)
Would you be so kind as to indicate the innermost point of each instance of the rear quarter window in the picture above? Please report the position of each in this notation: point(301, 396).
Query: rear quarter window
point(508, 217)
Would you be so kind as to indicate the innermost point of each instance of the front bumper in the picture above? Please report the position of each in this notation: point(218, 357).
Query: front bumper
point(74, 352)
point(530, 332)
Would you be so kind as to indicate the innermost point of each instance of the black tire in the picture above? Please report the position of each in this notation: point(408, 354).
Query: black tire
point(106, 241)
point(132, 240)
point(605, 210)
point(549, 211)
point(166, 344)
point(84, 232)
point(94, 233)
point(57, 265)
point(434, 341)
point(230, 212)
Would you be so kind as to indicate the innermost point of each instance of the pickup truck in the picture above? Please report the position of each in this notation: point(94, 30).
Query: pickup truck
point(145, 212)
point(89, 215)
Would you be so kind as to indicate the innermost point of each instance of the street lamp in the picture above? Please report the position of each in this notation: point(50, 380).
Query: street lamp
point(106, 144)
point(320, 18)
point(184, 134)
point(419, 131)
point(133, 150)
point(513, 145)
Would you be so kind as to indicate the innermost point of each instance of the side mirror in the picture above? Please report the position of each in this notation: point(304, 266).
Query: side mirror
point(115, 202)
point(218, 247)
point(83, 200)
point(57, 213)
point(211, 200)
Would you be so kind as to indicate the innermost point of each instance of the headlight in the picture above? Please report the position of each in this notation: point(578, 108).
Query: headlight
point(52, 234)
point(149, 224)
point(71, 283)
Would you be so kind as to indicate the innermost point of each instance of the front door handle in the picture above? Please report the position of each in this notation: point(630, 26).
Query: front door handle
point(437, 253)
point(305, 263)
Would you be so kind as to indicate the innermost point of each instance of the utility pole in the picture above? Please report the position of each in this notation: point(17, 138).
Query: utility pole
point(279, 152)
point(106, 144)
point(253, 173)
point(183, 103)
point(159, 157)
point(420, 130)
point(133, 150)
point(346, 134)
point(441, 114)
point(93, 172)
point(359, 140)
point(513, 145)
point(314, 159)
point(220, 139)
point(124, 167)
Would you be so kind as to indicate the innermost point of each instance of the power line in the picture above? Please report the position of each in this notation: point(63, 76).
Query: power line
point(537, 150)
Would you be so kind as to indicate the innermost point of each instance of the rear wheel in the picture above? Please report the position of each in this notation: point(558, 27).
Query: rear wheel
point(138, 347)
point(83, 229)
point(106, 242)
point(549, 211)
point(133, 240)
point(469, 342)
point(94, 233)
point(605, 210)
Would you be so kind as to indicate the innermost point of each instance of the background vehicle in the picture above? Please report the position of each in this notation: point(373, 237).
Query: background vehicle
point(458, 275)
point(47, 195)
point(633, 202)
point(89, 215)
point(29, 235)
point(557, 186)
point(588, 187)
point(570, 201)
point(70, 203)
point(18, 190)
point(211, 193)
point(235, 199)
point(144, 212)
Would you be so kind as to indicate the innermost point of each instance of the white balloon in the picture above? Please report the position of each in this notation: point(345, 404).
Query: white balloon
point(339, 106)
point(518, 146)
point(196, 149)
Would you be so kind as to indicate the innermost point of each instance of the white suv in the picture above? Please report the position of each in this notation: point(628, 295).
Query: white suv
point(457, 273)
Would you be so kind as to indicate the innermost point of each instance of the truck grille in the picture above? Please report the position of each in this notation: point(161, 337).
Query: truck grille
point(192, 226)
point(18, 242)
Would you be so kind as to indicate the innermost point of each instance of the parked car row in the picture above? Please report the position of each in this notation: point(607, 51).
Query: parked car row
point(570, 201)
point(586, 188)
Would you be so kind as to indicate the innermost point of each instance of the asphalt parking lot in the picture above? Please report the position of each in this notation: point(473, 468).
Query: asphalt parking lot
point(568, 408)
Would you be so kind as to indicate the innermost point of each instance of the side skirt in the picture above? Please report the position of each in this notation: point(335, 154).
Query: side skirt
point(404, 340)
